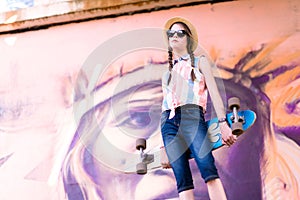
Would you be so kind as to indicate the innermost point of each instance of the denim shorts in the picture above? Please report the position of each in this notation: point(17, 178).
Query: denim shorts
point(183, 136)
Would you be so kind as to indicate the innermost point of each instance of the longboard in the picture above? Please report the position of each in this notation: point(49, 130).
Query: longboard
point(238, 121)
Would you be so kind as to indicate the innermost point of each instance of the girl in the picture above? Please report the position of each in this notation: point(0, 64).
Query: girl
point(185, 90)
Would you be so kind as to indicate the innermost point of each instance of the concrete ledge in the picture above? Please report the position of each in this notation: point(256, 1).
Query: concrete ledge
point(43, 16)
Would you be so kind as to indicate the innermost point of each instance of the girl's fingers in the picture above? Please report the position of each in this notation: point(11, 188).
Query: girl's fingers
point(230, 140)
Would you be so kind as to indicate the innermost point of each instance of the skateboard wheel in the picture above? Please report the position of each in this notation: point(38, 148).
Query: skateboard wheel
point(234, 102)
point(140, 144)
point(141, 168)
point(237, 128)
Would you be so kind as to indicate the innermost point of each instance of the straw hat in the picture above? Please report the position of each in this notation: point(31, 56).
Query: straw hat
point(193, 30)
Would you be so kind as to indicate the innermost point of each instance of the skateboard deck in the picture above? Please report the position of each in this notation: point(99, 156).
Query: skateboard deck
point(248, 118)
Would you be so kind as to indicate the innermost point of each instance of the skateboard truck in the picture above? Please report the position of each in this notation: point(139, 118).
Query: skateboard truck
point(237, 121)
point(145, 159)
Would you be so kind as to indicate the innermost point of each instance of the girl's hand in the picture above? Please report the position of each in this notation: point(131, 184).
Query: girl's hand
point(227, 136)
point(165, 163)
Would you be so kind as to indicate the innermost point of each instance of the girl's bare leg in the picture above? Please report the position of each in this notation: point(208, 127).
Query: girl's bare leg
point(186, 195)
point(216, 190)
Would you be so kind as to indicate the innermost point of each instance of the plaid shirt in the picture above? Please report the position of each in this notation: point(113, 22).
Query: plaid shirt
point(182, 89)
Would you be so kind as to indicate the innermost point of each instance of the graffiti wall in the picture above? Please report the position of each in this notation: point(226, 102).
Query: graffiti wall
point(74, 99)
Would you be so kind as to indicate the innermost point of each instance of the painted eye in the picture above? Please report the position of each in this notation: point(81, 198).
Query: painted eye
point(136, 119)
point(139, 121)
point(136, 111)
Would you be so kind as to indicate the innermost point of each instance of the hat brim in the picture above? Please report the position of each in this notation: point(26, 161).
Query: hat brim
point(193, 30)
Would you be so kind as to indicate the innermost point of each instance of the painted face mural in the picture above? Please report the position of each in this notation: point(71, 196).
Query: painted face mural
point(115, 97)
point(127, 106)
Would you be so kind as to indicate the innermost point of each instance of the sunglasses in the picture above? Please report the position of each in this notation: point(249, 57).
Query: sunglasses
point(180, 33)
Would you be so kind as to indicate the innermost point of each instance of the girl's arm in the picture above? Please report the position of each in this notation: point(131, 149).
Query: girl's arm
point(213, 90)
point(227, 136)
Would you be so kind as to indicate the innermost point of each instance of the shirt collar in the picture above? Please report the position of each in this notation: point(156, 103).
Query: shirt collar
point(184, 58)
